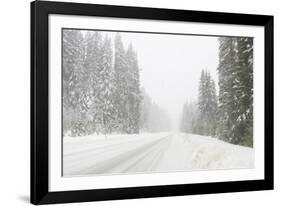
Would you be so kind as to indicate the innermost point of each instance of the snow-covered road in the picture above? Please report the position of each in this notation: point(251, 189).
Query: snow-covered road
point(160, 152)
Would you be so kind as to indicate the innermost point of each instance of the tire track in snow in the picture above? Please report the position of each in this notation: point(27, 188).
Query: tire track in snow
point(106, 146)
point(148, 160)
point(71, 161)
point(109, 165)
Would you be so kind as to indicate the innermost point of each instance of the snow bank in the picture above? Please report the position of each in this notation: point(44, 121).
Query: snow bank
point(211, 153)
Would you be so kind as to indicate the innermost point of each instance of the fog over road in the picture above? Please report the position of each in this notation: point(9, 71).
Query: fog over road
point(145, 153)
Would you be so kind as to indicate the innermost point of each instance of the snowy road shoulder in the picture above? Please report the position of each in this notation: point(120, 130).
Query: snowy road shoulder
point(210, 153)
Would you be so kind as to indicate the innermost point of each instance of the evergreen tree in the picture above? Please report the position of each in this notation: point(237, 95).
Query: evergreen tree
point(73, 77)
point(207, 105)
point(106, 88)
point(245, 90)
point(92, 64)
point(226, 60)
point(121, 75)
point(134, 97)
point(236, 89)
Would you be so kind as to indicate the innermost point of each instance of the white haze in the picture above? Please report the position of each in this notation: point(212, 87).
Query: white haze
point(170, 66)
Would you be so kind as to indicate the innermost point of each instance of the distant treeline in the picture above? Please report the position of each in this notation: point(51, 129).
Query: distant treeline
point(228, 115)
point(152, 117)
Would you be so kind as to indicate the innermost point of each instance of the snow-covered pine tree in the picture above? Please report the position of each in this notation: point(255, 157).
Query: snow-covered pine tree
point(243, 125)
point(73, 77)
point(213, 108)
point(202, 101)
point(134, 97)
point(207, 105)
point(92, 64)
point(121, 75)
point(235, 89)
point(226, 59)
point(106, 88)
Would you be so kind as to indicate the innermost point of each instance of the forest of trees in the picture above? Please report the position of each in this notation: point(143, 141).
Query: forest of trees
point(101, 88)
point(201, 117)
point(102, 93)
point(227, 115)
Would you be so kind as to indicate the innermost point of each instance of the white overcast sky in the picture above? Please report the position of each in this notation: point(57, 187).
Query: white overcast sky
point(171, 66)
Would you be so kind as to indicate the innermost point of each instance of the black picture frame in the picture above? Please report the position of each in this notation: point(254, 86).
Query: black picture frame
point(40, 102)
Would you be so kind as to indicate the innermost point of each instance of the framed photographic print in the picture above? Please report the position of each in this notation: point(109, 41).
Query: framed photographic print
point(131, 102)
